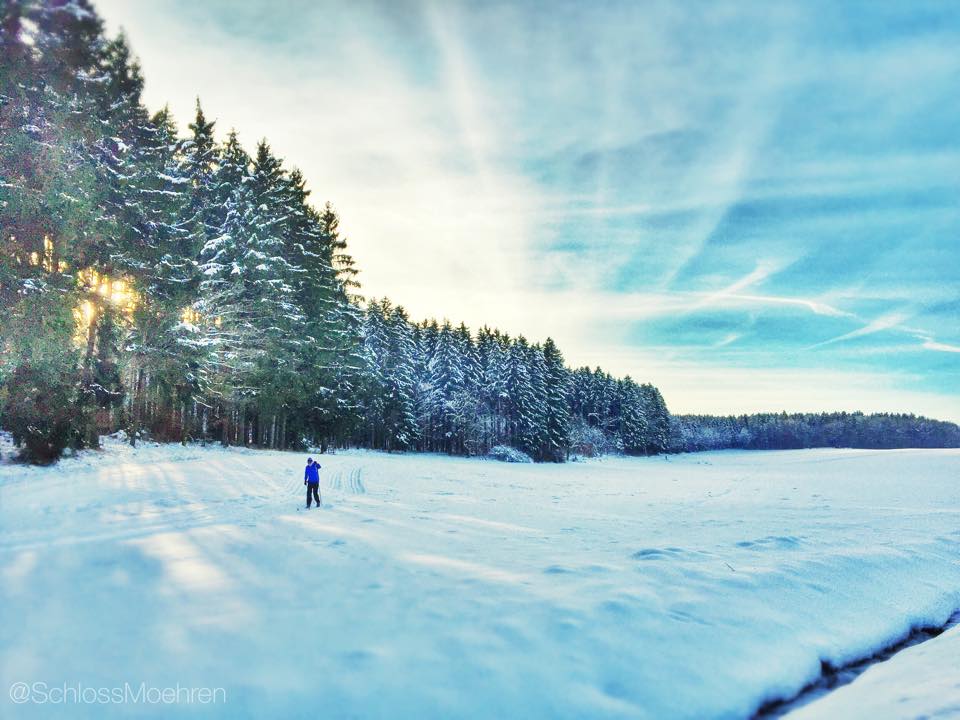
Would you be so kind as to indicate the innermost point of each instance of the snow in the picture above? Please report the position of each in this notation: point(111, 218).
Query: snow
point(504, 453)
point(919, 682)
point(682, 587)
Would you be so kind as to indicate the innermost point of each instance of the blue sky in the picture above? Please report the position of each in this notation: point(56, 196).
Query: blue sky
point(754, 205)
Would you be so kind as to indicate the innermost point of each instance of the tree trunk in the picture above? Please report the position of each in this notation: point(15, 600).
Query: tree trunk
point(135, 408)
point(225, 432)
point(92, 435)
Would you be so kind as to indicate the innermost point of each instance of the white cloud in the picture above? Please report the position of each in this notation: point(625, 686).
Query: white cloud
point(763, 270)
point(940, 347)
point(884, 322)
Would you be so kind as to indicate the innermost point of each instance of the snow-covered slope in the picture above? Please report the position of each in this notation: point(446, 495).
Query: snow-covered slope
point(690, 587)
point(923, 681)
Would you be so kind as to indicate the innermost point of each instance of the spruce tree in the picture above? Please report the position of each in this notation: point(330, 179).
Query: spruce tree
point(521, 403)
point(557, 418)
point(447, 386)
point(399, 413)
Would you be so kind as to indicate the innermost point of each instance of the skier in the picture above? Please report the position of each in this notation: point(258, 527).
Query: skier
point(311, 478)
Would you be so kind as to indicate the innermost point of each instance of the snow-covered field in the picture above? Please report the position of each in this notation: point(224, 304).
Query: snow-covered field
point(428, 587)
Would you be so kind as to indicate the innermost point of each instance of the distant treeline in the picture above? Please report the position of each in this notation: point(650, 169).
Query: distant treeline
point(772, 431)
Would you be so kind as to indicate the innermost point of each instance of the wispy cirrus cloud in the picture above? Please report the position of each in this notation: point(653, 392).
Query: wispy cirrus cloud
point(929, 344)
point(884, 322)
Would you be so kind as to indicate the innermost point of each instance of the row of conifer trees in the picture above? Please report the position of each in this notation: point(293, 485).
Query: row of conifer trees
point(171, 285)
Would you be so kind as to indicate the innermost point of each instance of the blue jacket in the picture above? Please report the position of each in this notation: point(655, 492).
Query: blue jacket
point(312, 473)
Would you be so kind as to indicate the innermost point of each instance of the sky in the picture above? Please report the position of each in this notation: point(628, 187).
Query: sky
point(754, 206)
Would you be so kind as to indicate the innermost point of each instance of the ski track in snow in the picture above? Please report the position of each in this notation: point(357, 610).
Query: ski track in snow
point(690, 587)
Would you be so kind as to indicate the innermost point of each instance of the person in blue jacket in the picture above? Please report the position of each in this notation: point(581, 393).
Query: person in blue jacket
point(311, 478)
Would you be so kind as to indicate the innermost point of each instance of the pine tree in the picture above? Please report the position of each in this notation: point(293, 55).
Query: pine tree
point(400, 415)
point(273, 279)
point(376, 349)
point(164, 340)
point(470, 402)
point(390, 355)
point(634, 427)
point(520, 410)
point(200, 160)
point(540, 439)
point(228, 334)
point(266, 263)
point(334, 321)
point(658, 419)
point(490, 387)
point(557, 418)
point(447, 387)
